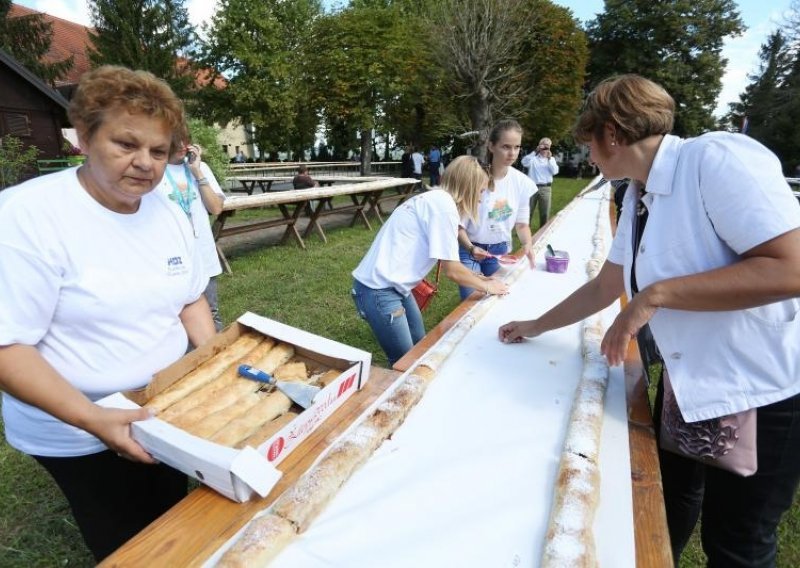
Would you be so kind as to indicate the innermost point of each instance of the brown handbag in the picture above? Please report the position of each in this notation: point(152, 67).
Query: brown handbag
point(426, 290)
point(727, 442)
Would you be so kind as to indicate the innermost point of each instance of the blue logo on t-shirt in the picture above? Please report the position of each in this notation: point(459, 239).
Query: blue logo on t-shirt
point(175, 266)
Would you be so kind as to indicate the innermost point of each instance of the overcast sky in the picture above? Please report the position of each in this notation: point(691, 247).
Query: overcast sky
point(761, 17)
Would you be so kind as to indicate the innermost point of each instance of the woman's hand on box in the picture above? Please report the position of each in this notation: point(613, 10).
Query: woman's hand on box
point(113, 427)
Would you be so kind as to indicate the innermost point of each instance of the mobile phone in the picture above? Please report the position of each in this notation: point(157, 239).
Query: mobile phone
point(190, 157)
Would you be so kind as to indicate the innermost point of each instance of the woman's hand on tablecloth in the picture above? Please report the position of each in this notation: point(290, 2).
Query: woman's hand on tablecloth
point(516, 331)
point(494, 287)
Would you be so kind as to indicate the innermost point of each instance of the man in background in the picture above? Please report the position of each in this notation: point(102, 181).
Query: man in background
point(303, 180)
point(542, 167)
point(434, 161)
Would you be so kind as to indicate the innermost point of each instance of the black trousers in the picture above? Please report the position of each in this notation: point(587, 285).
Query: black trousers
point(112, 498)
point(740, 515)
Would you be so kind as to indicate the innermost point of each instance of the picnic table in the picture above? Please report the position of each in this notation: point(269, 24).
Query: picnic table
point(366, 198)
point(248, 184)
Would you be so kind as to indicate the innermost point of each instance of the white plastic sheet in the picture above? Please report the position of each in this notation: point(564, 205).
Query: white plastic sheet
point(467, 480)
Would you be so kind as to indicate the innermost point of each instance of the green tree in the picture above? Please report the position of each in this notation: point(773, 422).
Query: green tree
point(677, 44)
point(154, 35)
point(207, 137)
point(554, 53)
point(28, 39)
point(364, 59)
point(771, 102)
point(257, 46)
point(522, 58)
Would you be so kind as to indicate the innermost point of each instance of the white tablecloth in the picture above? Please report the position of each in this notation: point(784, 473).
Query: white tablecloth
point(467, 480)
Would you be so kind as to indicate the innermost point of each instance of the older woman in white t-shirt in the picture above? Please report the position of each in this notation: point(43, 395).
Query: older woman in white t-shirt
point(100, 287)
point(420, 232)
point(503, 206)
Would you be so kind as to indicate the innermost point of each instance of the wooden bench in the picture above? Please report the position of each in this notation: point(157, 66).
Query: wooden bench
point(55, 165)
point(365, 198)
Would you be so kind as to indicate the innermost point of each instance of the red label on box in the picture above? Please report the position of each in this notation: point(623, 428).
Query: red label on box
point(346, 385)
point(275, 449)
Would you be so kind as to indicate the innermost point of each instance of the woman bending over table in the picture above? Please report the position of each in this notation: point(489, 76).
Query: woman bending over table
point(708, 252)
point(420, 232)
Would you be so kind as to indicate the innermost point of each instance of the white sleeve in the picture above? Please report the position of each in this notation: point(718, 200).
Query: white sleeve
point(29, 287)
point(525, 189)
point(553, 166)
point(443, 233)
point(763, 201)
point(526, 160)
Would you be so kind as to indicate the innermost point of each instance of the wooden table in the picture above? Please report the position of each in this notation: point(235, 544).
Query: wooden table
point(264, 183)
point(365, 197)
point(195, 528)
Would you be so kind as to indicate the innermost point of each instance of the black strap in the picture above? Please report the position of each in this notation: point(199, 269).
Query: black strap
point(639, 222)
point(648, 350)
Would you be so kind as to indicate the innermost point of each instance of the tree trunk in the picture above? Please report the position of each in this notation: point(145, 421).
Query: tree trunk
point(479, 114)
point(366, 152)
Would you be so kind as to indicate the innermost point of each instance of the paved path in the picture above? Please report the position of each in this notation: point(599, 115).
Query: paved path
point(238, 244)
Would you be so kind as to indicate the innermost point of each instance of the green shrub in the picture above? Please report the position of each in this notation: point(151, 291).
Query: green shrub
point(205, 136)
point(15, 160)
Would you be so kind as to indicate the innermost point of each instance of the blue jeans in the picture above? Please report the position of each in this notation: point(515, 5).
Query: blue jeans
point(395, 320)
point(433, 168)
point(487, 266)
point(740, 515)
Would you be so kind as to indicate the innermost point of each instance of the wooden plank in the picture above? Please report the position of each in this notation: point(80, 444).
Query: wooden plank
point(649, 516)
point(195, 528)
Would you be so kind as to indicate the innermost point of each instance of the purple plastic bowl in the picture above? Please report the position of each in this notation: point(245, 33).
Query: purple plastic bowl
point(557, 263)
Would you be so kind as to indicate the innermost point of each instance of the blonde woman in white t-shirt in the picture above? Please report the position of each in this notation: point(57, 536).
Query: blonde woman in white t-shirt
point(503, 206)
point(420, 232)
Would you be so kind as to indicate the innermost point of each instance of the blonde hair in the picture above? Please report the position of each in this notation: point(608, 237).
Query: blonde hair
point(464, 179)
point(111, 88)
point(636, 107)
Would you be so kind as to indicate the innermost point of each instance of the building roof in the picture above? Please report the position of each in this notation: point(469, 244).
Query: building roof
point(73, 39)
point(33, 79)
point(69, 39)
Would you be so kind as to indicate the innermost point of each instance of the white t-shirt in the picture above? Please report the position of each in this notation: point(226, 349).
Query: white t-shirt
point(501, 209)
point(97, 293)
point(199, 218)
point(710, 199)
point(419, 232)
point(417, 158)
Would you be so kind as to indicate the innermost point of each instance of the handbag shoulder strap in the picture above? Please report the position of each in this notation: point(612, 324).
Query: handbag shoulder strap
point(438, 270)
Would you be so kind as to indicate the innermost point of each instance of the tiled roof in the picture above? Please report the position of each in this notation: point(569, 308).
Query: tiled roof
point(70, 38)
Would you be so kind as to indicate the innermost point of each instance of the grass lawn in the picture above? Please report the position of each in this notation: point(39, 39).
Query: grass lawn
point(308, 289)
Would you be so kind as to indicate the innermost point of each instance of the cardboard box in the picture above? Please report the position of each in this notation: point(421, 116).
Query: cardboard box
point(238, 474)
